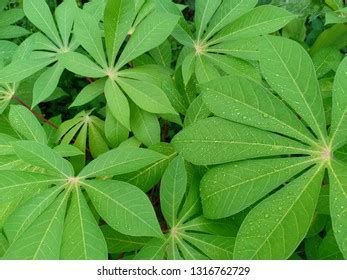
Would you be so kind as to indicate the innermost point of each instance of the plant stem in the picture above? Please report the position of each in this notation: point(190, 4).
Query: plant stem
point(41, 117)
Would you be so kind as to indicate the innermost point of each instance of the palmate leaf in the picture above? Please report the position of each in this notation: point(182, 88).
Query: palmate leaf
point(82, 237)
point(275, 227)
point(292, 64)
point(179, 195)
point(132, 212)
point(338, 131)
point(42, 240)
point(215, 140)
point(235, 186)
point(338, 203)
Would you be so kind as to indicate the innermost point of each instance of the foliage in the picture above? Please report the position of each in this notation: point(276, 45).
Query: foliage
point(148, 129)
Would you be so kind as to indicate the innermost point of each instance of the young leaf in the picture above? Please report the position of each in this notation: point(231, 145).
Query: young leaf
point(120, 160)
point(268, 231)
point(82, 237)
point(132, 212)
point(215, 140)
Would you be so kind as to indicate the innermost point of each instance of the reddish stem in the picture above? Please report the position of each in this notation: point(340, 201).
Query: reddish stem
point(41, 117)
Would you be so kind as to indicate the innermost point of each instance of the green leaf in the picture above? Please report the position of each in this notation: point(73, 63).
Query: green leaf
point(153, 250)
point(81, 65)
point(88, 34)
point(89, 92)
point(11, 16)
point(42, 240)
point(151, 32)
point(145, 178)
point(172, 189)
point(204, 10)
point(96, 140)
point(227, 12)
point(22, 120)
point(3, 245)
point(244, 101)
point(132, 212)
point(46, 84)
point(64, 15)
point(276, 226)
point(120, 160)
point(231, 188)
point(27, 213)
point(215, 141)
point(338, 131)
point(119, 16)
point(115, 132)
point(40, 155)
point(262, 20)
point(16, 183)
point(204, 70)
point(66, 150)
point(292, 65)
point(5, 144)
point(117, 103)
point(20, 69)
point(338, 203)
point(147, 96)
point(215, 247)
point(119, 243)
point(145, 126)
point(37, 11)
point(82, 237)
point(196, 111)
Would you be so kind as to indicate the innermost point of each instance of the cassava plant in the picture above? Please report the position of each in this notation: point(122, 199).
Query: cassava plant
point(95, 164)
